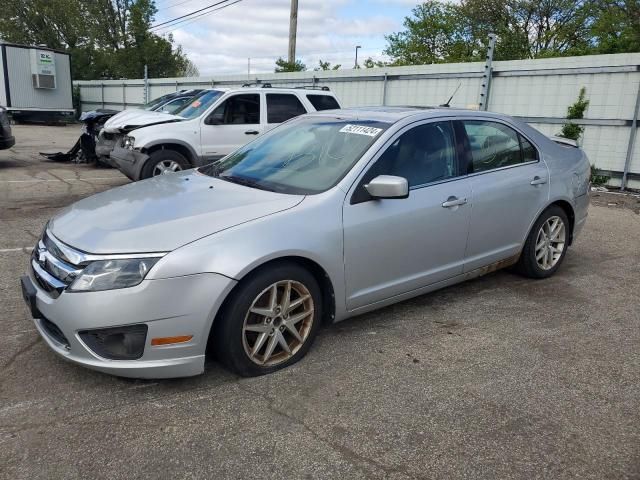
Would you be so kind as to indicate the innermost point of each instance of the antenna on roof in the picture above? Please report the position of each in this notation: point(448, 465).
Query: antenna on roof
point(448, 104)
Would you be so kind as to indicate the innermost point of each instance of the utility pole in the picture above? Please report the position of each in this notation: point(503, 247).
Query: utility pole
point(248, 68)
point(146, 85)
point(293, 28)
point(487, 74)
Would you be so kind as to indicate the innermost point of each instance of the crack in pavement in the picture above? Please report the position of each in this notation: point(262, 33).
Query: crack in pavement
point(341, 449)
point(24, 349)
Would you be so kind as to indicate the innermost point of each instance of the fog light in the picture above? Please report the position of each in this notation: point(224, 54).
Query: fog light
point(117, 343)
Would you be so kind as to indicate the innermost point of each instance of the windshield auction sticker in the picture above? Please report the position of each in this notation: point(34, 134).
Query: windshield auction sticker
point(360, 130)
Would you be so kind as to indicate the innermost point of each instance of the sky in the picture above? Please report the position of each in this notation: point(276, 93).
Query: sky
point(221, 42)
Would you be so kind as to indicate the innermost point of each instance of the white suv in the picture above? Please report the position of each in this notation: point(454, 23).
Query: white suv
point(212, 125)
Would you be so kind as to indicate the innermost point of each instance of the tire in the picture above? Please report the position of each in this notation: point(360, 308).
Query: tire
point(152, 166)
point(533, 263)
point(234, 337)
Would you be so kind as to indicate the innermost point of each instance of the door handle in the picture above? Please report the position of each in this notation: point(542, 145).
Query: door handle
point(454, 202)
point(538, 181)
point(251, 132)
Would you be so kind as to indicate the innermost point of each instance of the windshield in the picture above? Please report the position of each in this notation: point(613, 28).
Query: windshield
point(199, 104)
point(158, 101)
point(305, 156)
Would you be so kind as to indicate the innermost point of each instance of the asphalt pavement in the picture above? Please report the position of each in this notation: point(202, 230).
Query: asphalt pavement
point(501, 377)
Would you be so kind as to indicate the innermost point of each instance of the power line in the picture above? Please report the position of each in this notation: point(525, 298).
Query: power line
point(193, 19)
point(167, 7)
point(188, 14)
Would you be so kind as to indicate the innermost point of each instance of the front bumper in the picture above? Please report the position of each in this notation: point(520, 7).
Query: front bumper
point(169, 307)
point(129, 162)
point(104, 148)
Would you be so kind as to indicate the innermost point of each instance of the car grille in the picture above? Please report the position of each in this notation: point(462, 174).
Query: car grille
point(50, 266)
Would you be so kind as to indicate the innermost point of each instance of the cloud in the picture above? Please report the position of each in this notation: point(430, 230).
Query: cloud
point(221, 42)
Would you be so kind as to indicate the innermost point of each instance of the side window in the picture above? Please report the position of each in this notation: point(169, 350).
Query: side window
point(323, 102)
point(237, 110)
point(494, 145)
point(283, 106)
point(424, 154)
point(529, 153)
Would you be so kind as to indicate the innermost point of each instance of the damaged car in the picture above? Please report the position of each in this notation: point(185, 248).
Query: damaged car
point(93, 146)
point(214, 124)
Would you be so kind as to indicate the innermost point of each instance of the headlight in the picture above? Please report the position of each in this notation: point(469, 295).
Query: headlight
point(128, 142)
point(112, 274)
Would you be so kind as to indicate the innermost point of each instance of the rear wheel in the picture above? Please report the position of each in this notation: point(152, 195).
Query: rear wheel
point(546, 245)
point(270, 321)
point(162, 162)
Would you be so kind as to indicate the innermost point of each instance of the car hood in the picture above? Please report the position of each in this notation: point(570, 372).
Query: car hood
point(132, 119)
point(163, 213)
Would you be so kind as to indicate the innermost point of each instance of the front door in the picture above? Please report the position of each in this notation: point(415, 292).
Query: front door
point(230, 125)
point(510, 186)
point(394, 246)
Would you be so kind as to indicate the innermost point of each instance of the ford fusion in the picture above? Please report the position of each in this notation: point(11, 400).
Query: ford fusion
point(325, 217)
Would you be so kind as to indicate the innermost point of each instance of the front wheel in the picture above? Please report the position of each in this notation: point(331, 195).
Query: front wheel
point(162, 162)
point(546, 245)
point(270, 321)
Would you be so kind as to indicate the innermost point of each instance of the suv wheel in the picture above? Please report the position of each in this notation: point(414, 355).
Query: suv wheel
point(270, 321)
point(162, 162)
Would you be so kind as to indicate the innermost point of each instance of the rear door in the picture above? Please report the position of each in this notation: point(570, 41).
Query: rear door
point(510, 186)
point(230, 125)
point(281, 107)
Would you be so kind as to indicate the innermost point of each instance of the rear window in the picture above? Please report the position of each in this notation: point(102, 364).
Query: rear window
point(323, 102)
point(283, 106)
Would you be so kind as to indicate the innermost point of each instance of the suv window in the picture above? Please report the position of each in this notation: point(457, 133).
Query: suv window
point(237, 110)
point(323, 102)
point(424, 154)
point(494, 145)
point(283, 106)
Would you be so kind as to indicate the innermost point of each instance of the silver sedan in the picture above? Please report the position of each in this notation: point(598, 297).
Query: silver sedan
point(328, 216)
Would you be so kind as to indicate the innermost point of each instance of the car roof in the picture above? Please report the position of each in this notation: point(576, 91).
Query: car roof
point(309, 90)
point(397, 113)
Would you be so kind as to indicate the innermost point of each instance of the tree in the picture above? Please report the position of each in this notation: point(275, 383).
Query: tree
point(441, 31)
point(436, 32)
point(326, 66)
point(189, 69)
point(370, 63)
point(284, 66)
point(106, 38)
point(616, 28)
point(575, 112)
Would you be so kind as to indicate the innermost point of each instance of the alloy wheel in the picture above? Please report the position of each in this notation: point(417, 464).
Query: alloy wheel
point(550, 243)
point(166, 166)
point(278, 323)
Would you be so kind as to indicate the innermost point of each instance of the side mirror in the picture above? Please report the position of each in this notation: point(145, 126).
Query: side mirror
point(388, 186)
point(211, 120)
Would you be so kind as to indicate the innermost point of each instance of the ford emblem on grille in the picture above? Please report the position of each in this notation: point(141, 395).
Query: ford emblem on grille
point(41, 257)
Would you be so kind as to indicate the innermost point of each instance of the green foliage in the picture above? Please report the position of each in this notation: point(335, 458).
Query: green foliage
point(326, 66)
point(441, 31)
point(575, 111)
point(370, 63)
point(436, 32)
point(106, 38)
point(284, 66)
point(597, 178)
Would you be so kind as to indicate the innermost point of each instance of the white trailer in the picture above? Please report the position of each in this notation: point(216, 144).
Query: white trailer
point(35, 83)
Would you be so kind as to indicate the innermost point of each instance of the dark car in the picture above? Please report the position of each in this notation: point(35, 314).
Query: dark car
point(6, 139)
